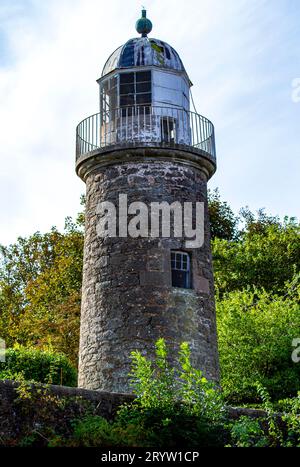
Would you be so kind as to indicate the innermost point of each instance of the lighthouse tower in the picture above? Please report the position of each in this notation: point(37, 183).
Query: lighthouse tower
point(145, 147)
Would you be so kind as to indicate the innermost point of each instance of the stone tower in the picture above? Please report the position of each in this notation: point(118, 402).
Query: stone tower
point(144, 146)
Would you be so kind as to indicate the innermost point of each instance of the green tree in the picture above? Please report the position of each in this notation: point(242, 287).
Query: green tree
point(266, 255)
point(40, 290)
point(223, 222)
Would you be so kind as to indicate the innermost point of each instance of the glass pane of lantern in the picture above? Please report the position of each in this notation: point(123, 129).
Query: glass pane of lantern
point(126, 78)
point(113, 81)
point(143, 98)
point(143, 76)
point(127, 100)
point(143, 87)
point(127, 88)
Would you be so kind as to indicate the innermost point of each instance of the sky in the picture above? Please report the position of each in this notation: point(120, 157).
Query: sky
point(243, 57)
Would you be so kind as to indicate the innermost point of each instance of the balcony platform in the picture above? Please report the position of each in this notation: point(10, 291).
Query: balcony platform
point(145, 131)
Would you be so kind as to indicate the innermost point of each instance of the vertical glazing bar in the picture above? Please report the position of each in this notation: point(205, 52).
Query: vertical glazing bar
point(126, 124)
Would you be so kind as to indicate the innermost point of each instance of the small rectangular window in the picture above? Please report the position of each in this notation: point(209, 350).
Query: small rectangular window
point(181, 269)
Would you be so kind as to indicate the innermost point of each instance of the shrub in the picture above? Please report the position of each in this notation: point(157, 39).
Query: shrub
point(39, 366)
point(93, 431)
point(291, 417)
point(255, 334)
point(247, 433)
point(173, 406)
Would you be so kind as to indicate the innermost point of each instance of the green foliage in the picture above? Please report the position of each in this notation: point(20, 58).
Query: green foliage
point(40, 288)
point(175, 405)
point(247, 432)
point(255, 332)
point(39, 366)
point(274, 429)
point(94, 431)
point(290, 408)
point(223, 222)
point(265, 256)
point(257, 306)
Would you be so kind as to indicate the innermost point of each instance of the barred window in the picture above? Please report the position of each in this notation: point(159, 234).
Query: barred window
point(181, 269)
point(135, 88)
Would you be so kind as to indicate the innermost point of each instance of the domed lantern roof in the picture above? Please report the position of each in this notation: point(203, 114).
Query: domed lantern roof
point(144, 97)
point(144, 51)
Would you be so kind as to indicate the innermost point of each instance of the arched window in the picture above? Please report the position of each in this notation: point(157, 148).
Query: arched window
point(181, 269)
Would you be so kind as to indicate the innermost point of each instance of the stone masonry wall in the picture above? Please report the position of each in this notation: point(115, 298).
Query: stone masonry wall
point(37, 414)
point(128, 301)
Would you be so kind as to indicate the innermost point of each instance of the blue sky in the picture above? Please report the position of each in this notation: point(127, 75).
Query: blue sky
point(241, 55)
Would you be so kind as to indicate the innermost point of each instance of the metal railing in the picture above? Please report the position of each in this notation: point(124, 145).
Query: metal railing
point(145, 125)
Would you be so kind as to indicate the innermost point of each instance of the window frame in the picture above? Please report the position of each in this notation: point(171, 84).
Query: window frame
point(136, 83)
point(181, 262)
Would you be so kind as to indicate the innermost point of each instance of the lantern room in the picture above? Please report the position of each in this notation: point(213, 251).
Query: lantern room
point(144, 92)
point(145, 102)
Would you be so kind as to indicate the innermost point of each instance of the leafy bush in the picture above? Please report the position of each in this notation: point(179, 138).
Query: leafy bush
point(255, 333)
point(39, 366)
point(246, 433)
point(93, 431)
point(274, 429)
point(173, 406)
point(291, 416)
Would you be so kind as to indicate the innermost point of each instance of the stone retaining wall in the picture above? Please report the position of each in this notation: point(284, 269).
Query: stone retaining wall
point(43, 410)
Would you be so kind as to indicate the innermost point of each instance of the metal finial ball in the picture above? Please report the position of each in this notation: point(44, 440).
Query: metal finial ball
point(143, 25)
